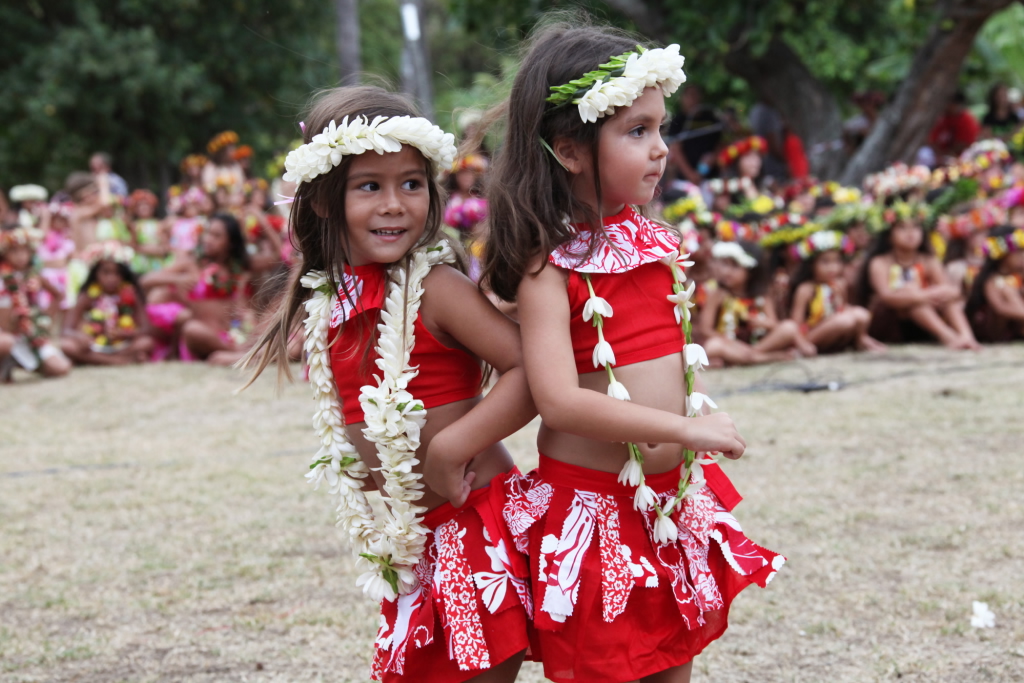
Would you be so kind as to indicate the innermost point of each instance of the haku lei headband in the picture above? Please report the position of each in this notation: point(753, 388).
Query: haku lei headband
point(997, 248)
point(619, 82)
point(734, 251)
point(383, 135)
point(822, 241)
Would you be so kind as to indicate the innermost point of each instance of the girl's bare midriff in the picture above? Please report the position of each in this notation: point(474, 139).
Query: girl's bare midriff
point(493, 461)
point(656, 383)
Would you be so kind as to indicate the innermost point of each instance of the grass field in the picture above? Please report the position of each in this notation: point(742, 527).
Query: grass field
point(153, 527)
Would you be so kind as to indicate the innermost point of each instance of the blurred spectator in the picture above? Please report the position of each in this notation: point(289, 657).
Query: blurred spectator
point(1000, 120)
point(767, 122)
point(700, 130)
point(956, 129)
point(100, 164)
point(857, 128)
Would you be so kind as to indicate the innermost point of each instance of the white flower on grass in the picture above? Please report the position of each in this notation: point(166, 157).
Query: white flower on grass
point(696, 357)
point(603, 354)
point(596, 304)
point(665, 530)
point(698, 400)
point(631, 474)
point(644, 499)
point(618, 390)
point(982, 616)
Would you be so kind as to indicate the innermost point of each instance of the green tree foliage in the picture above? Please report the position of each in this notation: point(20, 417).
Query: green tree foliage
point(150, 81)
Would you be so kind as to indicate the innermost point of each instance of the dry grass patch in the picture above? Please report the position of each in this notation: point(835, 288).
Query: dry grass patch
point(153, 527)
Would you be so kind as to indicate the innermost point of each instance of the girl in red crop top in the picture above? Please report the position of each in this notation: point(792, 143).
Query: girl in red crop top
point(395, 342)
point(634, 553)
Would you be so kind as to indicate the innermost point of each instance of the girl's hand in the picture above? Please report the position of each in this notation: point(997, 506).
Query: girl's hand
point(713, 433)
point(447, 476)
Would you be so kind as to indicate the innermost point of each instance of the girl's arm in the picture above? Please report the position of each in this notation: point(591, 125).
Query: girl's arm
point(181, 272)
point(454, 305)
point(565, 407)
point(709, 315)
point(900, 299)
point(1006, 302)
point(940, 289)
point(142, 325)
point(801, 298)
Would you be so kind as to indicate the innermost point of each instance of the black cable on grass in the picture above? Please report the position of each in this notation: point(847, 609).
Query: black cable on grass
point(826, 382)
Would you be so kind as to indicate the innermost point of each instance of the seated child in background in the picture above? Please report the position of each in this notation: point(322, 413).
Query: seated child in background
point(108, 325)
point(905, 287)
point(24, 325)
point(739, 321)
point(996, 305)
point(150, 239)
point(54, 254)
point(819, 296)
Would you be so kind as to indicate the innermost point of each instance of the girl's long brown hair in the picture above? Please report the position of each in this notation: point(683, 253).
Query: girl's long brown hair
point(529, 192)
point(320, 237)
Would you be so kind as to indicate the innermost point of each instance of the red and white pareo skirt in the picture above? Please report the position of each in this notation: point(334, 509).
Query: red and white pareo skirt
point(612, 604)
point(472, 608)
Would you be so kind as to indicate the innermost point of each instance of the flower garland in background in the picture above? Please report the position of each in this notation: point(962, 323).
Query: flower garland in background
point(388, 548)
point(692, 479)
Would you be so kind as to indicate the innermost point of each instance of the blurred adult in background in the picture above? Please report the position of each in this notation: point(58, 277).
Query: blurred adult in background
point(956, 129)
point(100, 165)
point(857, 128)
point(767, 122)
point(690, 158)
point(1000, 121)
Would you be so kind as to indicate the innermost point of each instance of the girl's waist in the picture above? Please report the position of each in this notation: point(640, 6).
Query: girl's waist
point(566, 475)
point(446, 512)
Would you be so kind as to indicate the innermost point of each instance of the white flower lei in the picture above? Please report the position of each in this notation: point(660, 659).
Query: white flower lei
point(691, 480)
point(388, 548)
point(598, 93)
point(326, 149)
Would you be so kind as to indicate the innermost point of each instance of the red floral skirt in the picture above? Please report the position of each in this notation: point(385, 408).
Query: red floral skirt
point(613, 605)
point(472, 609)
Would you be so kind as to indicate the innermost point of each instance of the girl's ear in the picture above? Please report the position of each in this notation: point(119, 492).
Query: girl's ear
point(574, 156)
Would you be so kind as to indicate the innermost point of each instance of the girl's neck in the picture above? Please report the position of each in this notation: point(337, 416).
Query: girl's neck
point(904, 257)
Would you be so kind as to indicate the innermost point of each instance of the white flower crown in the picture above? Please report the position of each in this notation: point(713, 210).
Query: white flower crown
point(623, 79)
point(732, 250)
point(326, 149)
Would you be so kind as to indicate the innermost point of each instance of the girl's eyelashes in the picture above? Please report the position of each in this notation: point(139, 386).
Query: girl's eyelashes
point(412, 185)
point(369, 187)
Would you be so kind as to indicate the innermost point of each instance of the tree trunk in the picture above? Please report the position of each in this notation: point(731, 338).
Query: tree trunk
point(416, 73)
point(932, 80)
point(349, 53)
point(780, 78)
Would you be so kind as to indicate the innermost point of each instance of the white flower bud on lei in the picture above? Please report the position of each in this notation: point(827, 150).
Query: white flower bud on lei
point(695, 358)
point(387, 548)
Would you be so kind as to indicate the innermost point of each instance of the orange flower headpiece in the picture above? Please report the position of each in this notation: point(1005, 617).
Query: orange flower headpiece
point(471, 162)
point(192, 161)
point(980, 218)
point(222, 140)
point(141, 196)
point(243, 152)
point(754, 143)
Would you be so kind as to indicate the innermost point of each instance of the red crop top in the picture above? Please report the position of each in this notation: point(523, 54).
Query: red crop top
point(445, 375)
point(643, 325)
point(633, 280)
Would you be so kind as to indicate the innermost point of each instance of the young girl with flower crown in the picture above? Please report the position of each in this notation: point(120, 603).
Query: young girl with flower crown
point(818, 302)
point(24, 324)
point(395, 335)
point(996, 304)
point(905, 287)
point(739, 320)
point(635, 555)
point(108, 325)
